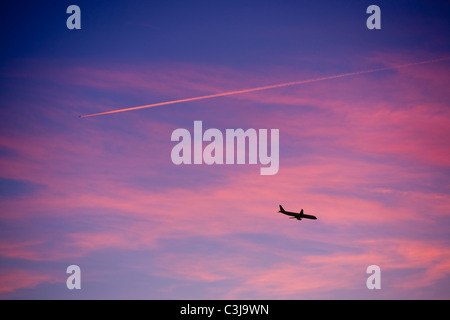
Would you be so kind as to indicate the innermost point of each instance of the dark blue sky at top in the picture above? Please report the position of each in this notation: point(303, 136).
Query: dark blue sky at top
point(232, 33)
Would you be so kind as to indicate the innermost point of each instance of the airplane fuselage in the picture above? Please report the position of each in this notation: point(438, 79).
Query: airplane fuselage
point(298, 216)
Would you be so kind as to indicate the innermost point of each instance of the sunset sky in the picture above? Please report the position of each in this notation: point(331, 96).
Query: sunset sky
point(369, 155)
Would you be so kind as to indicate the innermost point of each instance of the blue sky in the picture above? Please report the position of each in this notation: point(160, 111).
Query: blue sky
point(367, 154)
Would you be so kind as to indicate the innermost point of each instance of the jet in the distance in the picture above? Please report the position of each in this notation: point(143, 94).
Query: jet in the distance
point(298, 216)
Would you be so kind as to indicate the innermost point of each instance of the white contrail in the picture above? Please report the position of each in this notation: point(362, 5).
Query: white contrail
point(268, 87)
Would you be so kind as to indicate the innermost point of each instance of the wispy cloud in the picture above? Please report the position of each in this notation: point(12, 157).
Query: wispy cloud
point(369, 161)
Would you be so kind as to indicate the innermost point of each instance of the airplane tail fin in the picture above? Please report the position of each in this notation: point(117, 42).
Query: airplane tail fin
point(281, 209)
point(301, 212)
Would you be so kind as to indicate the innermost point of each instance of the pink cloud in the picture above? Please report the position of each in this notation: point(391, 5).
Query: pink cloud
point(11, 280)
point(85, 170)
point(220, 210)
point(313, 276)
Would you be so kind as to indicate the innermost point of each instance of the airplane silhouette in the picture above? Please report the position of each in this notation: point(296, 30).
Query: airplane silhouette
point(297, 216)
